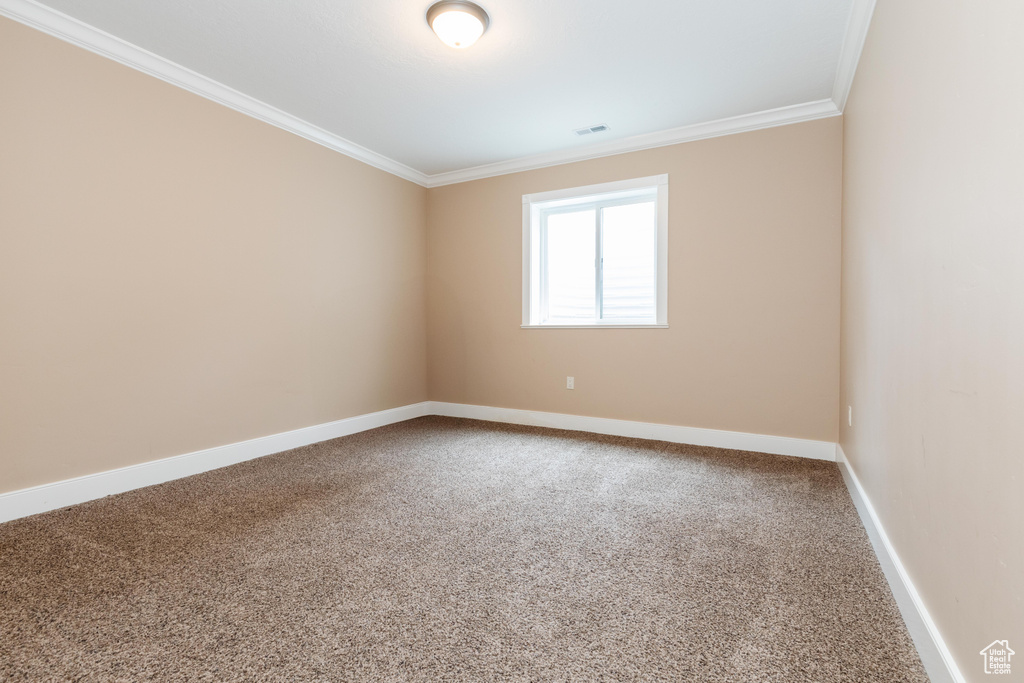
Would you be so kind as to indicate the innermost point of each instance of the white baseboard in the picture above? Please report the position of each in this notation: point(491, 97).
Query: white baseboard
point(762, 443)
point(934, 654)
point(936, 657)
point(60, 494)
point(46, 497)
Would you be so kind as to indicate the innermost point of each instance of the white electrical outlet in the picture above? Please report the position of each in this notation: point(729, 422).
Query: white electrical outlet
point(570, 382)
point(849, 415)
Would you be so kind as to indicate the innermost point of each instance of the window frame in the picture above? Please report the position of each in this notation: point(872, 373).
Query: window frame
point(536, 208)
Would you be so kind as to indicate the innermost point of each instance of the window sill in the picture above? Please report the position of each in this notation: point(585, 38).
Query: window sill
point(594, 327)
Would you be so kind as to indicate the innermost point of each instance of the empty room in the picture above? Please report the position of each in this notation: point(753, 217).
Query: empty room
point(493, 340)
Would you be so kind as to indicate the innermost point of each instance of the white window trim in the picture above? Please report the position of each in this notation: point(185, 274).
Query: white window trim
point(531, 211)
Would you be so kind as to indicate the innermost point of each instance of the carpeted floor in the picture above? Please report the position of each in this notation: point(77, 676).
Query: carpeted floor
point(442, 549)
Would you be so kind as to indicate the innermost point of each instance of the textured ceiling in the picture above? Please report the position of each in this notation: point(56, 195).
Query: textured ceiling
point(374, 73)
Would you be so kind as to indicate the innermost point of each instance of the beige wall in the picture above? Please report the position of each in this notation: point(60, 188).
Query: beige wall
point(754, 239)
point(175, 275)
point(933, 306)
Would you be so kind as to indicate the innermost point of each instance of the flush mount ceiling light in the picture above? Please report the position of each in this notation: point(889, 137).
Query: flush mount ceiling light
point(458, 23)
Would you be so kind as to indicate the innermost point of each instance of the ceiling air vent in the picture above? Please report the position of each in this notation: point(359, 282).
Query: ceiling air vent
point(593, 129)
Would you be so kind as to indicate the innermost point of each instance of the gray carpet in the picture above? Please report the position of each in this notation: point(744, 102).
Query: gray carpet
point(442, 549)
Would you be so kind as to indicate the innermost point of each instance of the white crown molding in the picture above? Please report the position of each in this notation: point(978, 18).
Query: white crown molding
point(936, 657)
point(740, 441)
point(93, 39)
point(853, 45)
point(32, 501)
point(78, 33)
point(770, 118)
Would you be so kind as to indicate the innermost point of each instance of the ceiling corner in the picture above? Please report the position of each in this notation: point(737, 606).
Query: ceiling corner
point(853, 45)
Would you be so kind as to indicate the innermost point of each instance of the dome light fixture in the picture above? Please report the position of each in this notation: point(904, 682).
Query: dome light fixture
point(458, 23)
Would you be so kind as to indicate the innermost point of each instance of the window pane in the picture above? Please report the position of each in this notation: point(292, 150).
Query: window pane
point(571, 274)
point(629, 266)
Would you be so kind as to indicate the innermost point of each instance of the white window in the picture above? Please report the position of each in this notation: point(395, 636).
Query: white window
point(597, 256)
